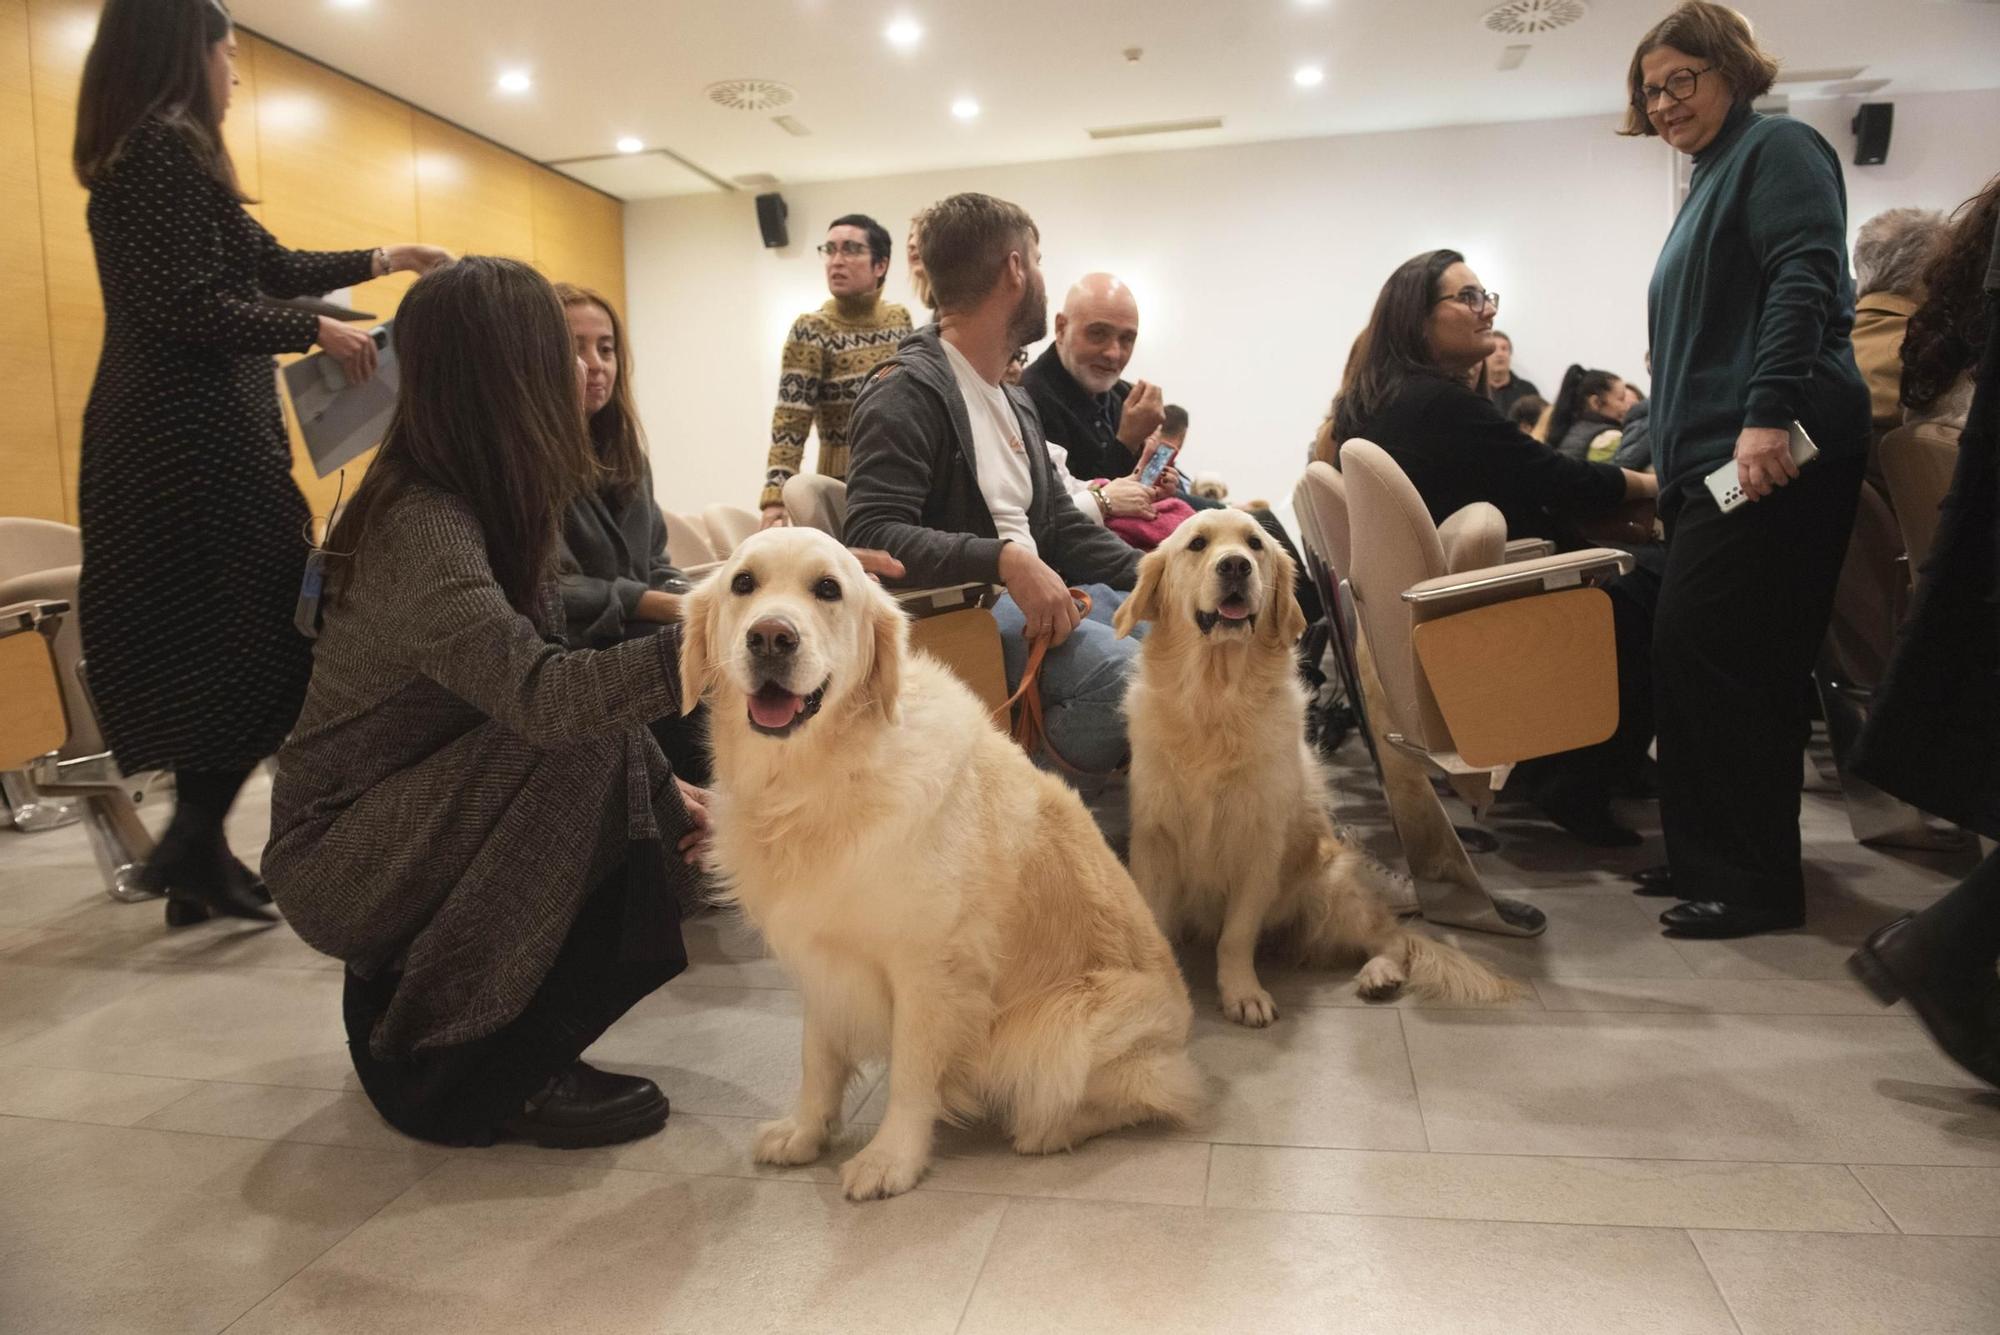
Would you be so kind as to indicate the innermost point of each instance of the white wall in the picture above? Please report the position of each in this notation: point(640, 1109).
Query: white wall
point(1254, 265)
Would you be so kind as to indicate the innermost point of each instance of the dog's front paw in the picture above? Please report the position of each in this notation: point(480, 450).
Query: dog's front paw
point(1379, 980)
point(786, 1142)
point(875, 1174)
point(1250, 1006)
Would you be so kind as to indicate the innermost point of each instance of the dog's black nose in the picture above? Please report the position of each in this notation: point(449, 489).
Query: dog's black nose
point(1233, 567)
point(773, 637)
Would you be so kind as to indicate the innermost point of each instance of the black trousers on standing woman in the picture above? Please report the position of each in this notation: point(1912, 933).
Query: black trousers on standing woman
point(1743, 607)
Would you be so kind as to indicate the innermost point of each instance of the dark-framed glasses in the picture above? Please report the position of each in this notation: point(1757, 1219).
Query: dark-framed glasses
point(1474, 299)
point(851, 249)
point(1679, 87)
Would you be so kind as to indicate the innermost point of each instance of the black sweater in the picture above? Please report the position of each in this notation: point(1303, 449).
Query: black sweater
point(1083, 423)
point(1457, 448)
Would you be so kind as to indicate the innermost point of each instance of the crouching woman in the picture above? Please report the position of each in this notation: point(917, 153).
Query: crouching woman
point(475, 818)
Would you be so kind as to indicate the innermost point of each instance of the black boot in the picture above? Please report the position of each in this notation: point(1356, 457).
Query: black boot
point(584, 1106)
point(192, 865)
point(1955, 1005)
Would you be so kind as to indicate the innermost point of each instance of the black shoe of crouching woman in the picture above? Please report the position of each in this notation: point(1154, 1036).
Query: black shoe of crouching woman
point(584, 1106)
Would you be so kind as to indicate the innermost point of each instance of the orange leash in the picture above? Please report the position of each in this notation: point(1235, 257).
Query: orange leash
point(1028, 729)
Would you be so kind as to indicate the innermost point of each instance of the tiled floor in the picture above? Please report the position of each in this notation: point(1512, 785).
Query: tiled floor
point(1664, 1137)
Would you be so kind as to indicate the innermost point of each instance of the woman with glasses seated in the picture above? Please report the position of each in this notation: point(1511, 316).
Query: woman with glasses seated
point(1750, 313)
point(1408, 393)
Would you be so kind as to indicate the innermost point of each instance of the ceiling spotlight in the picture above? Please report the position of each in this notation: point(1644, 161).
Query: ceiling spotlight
point(965, 108)
point(630, 145)
point(1308, 76)
point(904, 33)
point(351, 4)
point(515, 81)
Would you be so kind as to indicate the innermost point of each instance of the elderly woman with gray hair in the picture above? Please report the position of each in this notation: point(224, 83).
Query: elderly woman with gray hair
point(1890, 253)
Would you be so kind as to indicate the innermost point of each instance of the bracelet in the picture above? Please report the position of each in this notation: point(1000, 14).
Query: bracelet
point(1096, 490)
point(382, 257)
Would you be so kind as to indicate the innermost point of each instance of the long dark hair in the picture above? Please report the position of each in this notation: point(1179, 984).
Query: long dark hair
point(1947, 335)
point(1572, 400)
point(150, 58)
point(1393, 349)
point(488, 410)
point(614, 429)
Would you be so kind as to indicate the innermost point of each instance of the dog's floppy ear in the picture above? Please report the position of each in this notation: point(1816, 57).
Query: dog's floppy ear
point(697, 634)
point(1290, 621)
point(889, 646)
point(1139, 605)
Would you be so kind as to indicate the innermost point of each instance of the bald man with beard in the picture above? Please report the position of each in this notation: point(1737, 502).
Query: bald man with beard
point(1102, 420)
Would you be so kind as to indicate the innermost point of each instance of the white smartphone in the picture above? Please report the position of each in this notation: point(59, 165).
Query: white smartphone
point(1728, 491)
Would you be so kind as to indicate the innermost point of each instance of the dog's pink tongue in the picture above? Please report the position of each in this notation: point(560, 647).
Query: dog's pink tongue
point(773, 708)
point(1233, 610)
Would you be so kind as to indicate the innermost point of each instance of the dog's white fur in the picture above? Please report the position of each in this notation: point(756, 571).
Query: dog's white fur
point(940, 901)
point(1231, 840)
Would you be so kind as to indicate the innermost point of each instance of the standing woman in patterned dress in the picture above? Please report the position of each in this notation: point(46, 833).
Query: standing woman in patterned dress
point(193, 530)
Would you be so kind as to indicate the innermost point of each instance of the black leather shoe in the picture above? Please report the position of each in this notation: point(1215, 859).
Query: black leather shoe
point(1712, 919)
point(200, 886)
point(584, 1106)
point(1893, 963)
point(1655, 881)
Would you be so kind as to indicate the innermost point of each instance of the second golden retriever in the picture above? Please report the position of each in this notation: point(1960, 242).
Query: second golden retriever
point(1231, 840)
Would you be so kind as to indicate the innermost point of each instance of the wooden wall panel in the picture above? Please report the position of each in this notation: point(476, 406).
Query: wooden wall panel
point(472, 198)
point(31, 473)
point(579, 235)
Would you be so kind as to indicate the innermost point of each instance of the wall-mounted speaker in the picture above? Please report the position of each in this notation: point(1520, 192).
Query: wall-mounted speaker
point(771, 213)
point(1871, 133)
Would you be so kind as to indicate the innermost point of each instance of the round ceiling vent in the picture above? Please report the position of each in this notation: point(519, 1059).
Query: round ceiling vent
point(750, 94)
point(1525, 18)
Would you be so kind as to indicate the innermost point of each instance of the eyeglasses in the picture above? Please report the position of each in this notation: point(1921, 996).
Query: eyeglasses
point(1679, 87)
point(851, 249)
point(1474, 299)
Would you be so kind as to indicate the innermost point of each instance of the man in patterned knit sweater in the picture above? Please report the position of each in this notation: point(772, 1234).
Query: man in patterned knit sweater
point(829, 354)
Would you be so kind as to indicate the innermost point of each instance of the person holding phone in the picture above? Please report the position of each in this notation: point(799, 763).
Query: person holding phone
point(194, 534)
point(1077, 384)
point(1750, 311)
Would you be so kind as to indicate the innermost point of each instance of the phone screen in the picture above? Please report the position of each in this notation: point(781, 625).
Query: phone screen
point(1156, 463)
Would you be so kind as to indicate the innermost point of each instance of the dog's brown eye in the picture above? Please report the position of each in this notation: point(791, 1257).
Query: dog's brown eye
point(1256, 544)
point(745, 582)
point(827, 590)
point(1199, 544)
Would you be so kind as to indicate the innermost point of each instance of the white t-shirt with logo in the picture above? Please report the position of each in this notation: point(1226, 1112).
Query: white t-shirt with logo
point(1000, 458)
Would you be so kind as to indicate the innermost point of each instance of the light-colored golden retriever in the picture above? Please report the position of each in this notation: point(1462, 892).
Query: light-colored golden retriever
point(1231, 840)
point(940, 901)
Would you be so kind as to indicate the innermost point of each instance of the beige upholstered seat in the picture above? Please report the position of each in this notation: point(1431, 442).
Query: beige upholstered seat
point(813, 500)
point(1918, 462)
point(728, 526)
point(687, 541)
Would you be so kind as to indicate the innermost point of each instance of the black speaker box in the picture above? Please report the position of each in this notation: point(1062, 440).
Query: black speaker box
point(1871, 133)
point(771, 213)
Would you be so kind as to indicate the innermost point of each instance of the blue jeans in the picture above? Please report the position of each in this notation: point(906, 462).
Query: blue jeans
point(1082, 681)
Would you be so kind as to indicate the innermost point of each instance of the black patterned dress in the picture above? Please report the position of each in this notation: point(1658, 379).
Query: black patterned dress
point(193, 543)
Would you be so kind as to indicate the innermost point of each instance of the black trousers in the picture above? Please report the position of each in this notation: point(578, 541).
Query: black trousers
point(461, 1093)
point(1962, 930)
point(1743, 608)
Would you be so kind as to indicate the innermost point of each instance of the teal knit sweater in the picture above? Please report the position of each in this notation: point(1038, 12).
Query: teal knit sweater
point(1752, 304)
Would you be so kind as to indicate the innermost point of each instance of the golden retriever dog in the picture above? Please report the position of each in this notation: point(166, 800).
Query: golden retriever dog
point(1231, 840)
point(940, 901)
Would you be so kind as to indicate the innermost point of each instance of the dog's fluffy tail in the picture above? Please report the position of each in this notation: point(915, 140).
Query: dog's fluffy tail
point(1442, 972)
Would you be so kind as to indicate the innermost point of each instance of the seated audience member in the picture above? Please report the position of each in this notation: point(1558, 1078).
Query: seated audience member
point(919, 283)
point(1635, 445)
point(1526, 414)
point(1138, 514)
point(1431, 321)
point(1085, 407)
point(828, 356)
point(1947, 334)
point(1890, 252)
point(468, 813)
point(1006, 519)
point(1588, 414)
point(1502, 385)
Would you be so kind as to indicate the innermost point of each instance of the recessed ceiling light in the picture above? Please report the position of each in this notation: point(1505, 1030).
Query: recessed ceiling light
point(965, 108)
point(630, 145)
point(904, 33)
point(515, 81)
point(1308, 76)
point(351, 4)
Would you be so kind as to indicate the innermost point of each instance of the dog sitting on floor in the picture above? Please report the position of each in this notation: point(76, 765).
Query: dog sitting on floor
point(940, 901)
point(1231, 840)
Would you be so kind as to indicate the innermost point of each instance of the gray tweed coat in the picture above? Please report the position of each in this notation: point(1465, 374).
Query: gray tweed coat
point(458, 781)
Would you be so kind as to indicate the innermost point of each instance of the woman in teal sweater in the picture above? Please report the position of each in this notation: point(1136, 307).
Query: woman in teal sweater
point(1750, 313)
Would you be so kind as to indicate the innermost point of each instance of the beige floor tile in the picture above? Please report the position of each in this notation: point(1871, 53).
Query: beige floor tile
point(35, 998)
point(85, 1096)
point(1591, 934)
point(1075, 1266)
point(147, 1231)
point(254, 1026)
point(217, 944)
point(1771, 1088)
point(1332, 1077)
point(1823, 1284)
point(1653, 1193)
point(1295, 986)
point(1712, 996)
point(1961, 1201)
point(488, 1246)
point(278, 1112)
point(690, 1145)
point(1131, 1165)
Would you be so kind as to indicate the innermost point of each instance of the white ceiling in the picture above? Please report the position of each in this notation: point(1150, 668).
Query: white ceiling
point(1043, 71)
